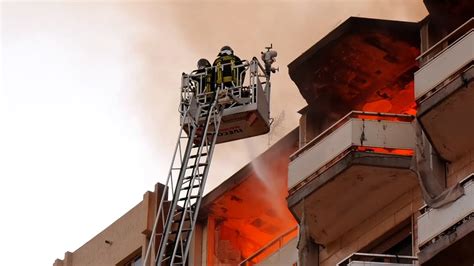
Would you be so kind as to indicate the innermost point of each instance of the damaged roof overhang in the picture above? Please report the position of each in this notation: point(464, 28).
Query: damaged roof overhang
point(246, 175)
point(349, 66)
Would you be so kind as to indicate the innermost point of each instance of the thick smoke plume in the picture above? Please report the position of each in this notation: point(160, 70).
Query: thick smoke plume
point(176, 35)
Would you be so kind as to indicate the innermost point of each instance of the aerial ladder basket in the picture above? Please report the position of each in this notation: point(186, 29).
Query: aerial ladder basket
point(225, 113)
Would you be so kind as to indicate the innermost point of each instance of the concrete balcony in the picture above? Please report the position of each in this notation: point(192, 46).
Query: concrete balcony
point(448, 232)
point(366, 259)
point(363, 158)
point(444, 93)
point(357, 131)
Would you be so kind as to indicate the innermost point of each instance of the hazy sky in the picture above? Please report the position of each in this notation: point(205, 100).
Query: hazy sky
point(89, 97)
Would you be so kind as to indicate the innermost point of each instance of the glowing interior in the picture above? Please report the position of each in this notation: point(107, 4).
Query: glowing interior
point(252, 214)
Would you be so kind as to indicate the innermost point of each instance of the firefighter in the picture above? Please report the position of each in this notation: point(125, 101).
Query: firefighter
point(206, 83)
point(226, 71)
point(203, 63)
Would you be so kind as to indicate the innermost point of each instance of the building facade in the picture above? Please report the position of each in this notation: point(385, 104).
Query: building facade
point(124, 242)
point(384, 169)
point(379, 171)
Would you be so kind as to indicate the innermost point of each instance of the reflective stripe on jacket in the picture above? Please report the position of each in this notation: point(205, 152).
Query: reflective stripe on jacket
point(225, 68)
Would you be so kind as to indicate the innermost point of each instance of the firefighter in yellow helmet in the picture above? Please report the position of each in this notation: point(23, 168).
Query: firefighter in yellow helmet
point(226, 71)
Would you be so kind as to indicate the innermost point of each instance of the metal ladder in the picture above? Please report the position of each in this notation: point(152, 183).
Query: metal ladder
point(201, 114)
point(186, 179)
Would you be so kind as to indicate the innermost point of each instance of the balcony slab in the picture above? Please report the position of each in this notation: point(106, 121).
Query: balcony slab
point(371, 180)
point(447, 116)
point(380, 133)
point(451, 249)
point(434, 222)
point(444, 65)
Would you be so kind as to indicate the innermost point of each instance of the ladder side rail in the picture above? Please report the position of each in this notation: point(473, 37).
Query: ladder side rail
point(185, 175)
point(174, 203)
point(216, 116)
point(186, 212)
point(184, 109)
point(187, 207)
point(168, 186)
point(176, 195)
point(217, 120)
point(163, 215)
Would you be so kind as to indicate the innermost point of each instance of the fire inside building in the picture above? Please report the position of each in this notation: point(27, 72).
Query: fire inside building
point(379, 171)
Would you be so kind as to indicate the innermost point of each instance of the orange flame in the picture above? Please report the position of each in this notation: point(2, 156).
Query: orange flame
point(389, 100)
point(404, 152)
point(252, 214)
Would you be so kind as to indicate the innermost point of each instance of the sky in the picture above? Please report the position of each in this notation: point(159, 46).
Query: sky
point(89, 98)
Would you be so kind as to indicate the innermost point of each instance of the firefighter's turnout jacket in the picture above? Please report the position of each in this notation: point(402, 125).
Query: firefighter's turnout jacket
point(206, 81)
point(226, 72)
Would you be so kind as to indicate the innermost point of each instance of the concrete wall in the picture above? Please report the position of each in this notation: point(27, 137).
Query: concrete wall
point(369, 230)
point(460, 169)
point(123, 240)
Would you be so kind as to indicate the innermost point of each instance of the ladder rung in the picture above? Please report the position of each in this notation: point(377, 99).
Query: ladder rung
point(197, 146)
point(182, 230)
point(185, 219)
point(188, 187)
point(189, 177)
point(190, 197)
point(195, 156)
point(198, 165)
point(179, 213)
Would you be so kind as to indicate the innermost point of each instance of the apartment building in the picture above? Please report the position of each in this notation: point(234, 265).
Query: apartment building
point(381, 184)
point(379, 171)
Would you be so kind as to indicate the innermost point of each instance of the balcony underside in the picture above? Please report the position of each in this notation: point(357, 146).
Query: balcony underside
point(447, 116)
point(371, 180)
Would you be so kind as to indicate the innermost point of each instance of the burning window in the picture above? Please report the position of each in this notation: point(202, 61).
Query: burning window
point(363, 65)
point(252, 214)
